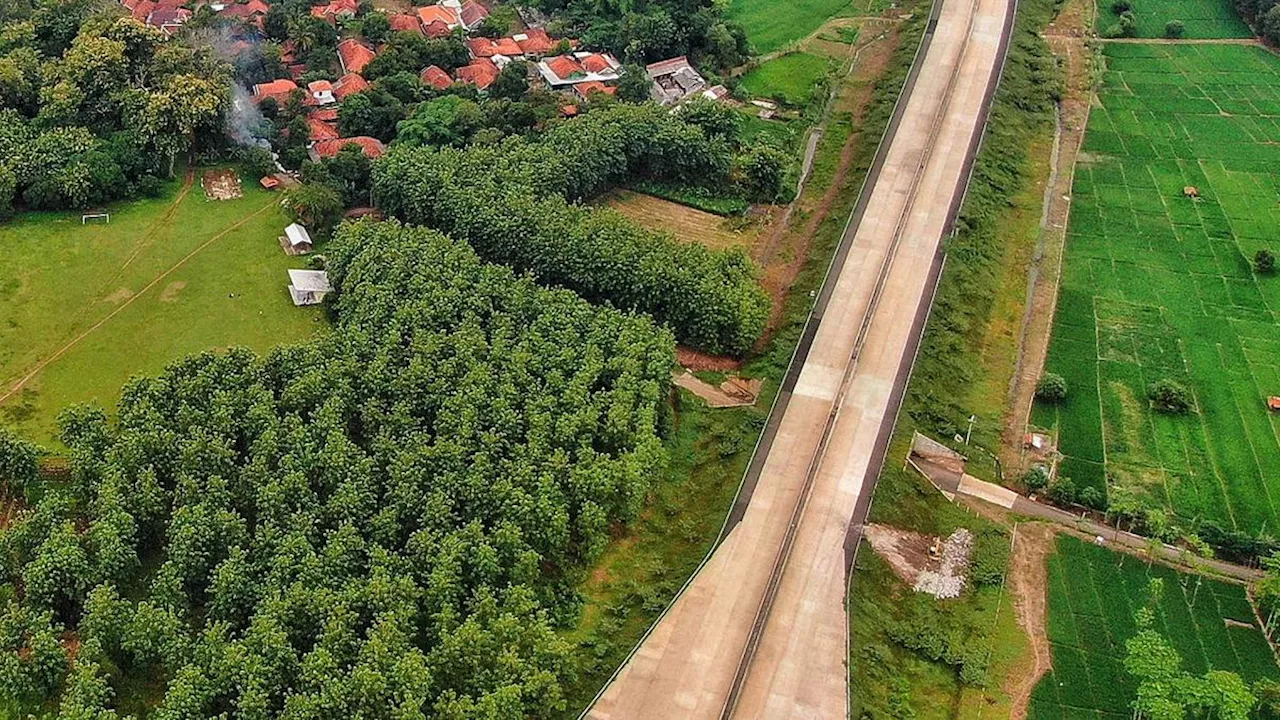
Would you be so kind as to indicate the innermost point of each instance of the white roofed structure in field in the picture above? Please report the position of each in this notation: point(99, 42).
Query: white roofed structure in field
point(308, 287)
point(298, 237)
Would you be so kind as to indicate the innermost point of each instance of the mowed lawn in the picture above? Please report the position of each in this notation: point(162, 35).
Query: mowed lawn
point(1093, 596)
point(1200, 18)
point(1158, 285)
point(790, 78)
point(125, 298)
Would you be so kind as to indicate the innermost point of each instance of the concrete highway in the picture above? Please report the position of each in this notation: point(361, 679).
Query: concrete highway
point(761, 630)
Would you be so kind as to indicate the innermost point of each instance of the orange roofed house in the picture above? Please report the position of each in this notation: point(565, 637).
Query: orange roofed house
point(277, 90)
point(354, 55)
point(436, 78)
point(372, 147)
point(349, 84)
point(563, 71)
point(481, 73)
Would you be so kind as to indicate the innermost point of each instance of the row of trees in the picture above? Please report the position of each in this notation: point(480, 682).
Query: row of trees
point(513, 202)
point(95, 107)
point(380, 524)
point(655, 30)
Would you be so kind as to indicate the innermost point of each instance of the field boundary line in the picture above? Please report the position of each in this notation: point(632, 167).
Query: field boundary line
point(76, 340)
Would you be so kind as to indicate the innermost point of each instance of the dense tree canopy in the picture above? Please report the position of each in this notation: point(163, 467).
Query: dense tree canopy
point(94, 106)
point(378, 524)
point(512, 202)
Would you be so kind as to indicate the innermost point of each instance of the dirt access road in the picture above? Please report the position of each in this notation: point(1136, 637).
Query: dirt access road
point(761, 630)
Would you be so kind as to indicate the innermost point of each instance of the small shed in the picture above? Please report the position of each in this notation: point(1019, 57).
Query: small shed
point(1273, 403)
point(308, 287)
point(299, 239)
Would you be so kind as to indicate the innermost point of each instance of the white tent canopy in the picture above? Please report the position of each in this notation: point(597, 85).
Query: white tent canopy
point(308, 287)
point(297, 235)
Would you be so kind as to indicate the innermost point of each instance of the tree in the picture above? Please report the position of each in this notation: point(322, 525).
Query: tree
point(18, 464)
point(1119, 7)
point(1062, 491)
point(1052, 388)
point(634, 84)
point(512, 82)
point(1174, 29)
point(1170, 397)
point(1167, 692)
point(373, 112)
point(1264, 262)
point(762, 172)
point(376, 27)
point(446, 120)
point(716, 119)
point(316, 206)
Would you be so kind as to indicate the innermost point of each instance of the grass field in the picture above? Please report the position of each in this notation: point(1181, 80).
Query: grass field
point(165, 278)
point(1200, 18)
point(1093, 596)
point(1158, 285)
point(771, 26)
point(790, 78)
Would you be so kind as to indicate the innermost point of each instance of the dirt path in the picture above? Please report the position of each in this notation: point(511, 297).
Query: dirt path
point(1066, 36)
point(156, 281)
point(188, 180)
point(1029, 581)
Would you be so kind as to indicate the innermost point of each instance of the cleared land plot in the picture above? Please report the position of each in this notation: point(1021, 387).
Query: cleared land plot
point(1200, 18)
point(684, 222)
point(790, 78)
point(1159, 285)
point(60, 279)
point(1093, 596)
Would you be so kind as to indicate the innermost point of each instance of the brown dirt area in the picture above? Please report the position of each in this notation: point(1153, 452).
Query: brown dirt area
point(1066, 37)
point(221, 184)
point(906, 552)
point(1028, 582)
point(733, 392)
point(170, 292)
point(684, 222)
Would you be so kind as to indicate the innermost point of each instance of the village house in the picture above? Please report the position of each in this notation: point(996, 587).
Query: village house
point(535, 42)
point(404, 22)
point(354, 56)
point(674, 80)
point(167, 16)
point(435, 77)
point(320, 92)
point(278, 90)
point(348, 85)
point(587, 89)
point(563, 71)
point(334, 10)
point(372, 147)
point(481, 73)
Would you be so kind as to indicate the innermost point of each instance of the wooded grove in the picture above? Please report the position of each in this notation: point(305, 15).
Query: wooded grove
point(383, 523)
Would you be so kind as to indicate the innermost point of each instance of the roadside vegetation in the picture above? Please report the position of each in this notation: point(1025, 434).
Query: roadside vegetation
point(972, 642)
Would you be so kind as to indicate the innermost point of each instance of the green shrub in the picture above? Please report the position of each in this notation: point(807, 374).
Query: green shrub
point(1170, 397)
point(1264, 261)
point(990, 558)
point(1051, 388)
point(1063, 492)
point(1120, 7)
point(1174, 29)
point(1091, 497)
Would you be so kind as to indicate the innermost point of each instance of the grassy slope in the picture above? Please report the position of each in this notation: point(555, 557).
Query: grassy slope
point(1158, 286)
point(60, 278)
point(1093, 596)
point(647, 563)
point(963, 358)
point(790, 78)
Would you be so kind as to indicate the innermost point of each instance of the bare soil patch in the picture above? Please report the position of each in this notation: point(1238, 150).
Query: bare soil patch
point(686, 223)
point(170, 292)
point(933, 565)
point(697, 360)
point(119, 296)
point(1028, 582)
point(733, 392)
point(221, 184)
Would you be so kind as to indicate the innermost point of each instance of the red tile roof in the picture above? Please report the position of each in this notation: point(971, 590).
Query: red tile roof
point(354, 55)
point(436, 29)
point(246, 10)
point(569, 110)
point(349, 84)
point(278, 89)
point(472, 13)
point(142, 10)
point(372, 147)
point(130, 4)
point(327, 114)
point(537, 42)
point(297, 70)
point(334, 9)
point(481, 73)
point(596, 63)
point(404, 22)
point(565, 66)
point(437, 13)
point(507, 46)
point(436, 78)
point(288, 50)
point(595, 86)
point(481, 47)
point(321, 130)
point(320, 86)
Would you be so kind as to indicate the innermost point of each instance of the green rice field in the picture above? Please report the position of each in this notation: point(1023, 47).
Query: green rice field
point(1093, 596)
point(771, 25)
point(1200, 18)
point(1159, 285)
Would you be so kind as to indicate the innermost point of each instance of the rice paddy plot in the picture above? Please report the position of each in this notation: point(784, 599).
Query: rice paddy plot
point(1094, 594)
point(1173, 196)
point(790, 78)
point(771, 25)
point(1201, 19)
